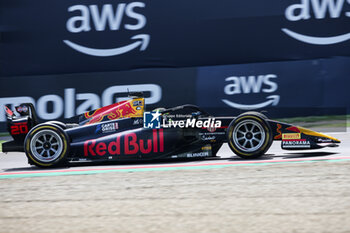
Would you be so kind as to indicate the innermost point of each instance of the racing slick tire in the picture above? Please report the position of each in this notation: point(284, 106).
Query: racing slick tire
point(249, 135)
point(47, 145)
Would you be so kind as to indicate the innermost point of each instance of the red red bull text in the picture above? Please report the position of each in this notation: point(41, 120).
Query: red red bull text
point(127, 144)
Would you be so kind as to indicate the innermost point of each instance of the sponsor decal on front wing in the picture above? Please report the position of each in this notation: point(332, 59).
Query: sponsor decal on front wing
point(297, 143)
point(291, 136)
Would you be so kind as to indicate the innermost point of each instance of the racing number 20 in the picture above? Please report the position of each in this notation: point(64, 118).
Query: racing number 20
point(19, 129)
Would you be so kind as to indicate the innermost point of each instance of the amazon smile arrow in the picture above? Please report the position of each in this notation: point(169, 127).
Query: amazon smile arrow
point(272, 100)
point(317, 40)
point(143, 41)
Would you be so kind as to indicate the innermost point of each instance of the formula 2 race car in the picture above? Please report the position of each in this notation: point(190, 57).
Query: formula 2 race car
point(125, 132)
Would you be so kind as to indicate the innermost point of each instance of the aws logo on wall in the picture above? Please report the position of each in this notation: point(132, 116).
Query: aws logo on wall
point(108, 17)
point(240, 88)
point(317, 10)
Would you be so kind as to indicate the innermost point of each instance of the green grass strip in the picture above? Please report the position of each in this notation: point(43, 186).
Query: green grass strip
point(1, 146)
point(314, 118)
point(4, 134)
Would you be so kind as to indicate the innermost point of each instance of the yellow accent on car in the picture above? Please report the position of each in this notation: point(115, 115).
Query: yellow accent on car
point(207, 147)
point(313, 133)
point(139, 109)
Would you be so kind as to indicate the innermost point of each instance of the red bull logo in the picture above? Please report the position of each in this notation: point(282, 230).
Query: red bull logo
point(128, 144)
point(278, 130)
point(112, 112)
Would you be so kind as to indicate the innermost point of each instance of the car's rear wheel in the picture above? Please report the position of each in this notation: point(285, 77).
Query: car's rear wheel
point(47, 145)
point(249, 135)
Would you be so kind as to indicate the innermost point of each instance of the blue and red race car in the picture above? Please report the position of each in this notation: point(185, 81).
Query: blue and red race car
point(125, 132)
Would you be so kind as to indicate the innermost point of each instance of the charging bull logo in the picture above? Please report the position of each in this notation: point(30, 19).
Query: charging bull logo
point(116, 111)
point(127, 144)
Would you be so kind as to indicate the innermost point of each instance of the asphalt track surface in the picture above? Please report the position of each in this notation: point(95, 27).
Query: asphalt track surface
point(304, 191)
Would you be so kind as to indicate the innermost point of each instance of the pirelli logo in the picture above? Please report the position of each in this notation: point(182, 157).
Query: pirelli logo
point(291, 136)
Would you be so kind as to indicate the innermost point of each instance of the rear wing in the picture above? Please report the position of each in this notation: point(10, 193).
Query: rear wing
point(18, 125)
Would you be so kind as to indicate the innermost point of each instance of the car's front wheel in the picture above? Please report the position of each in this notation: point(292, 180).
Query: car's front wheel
point(249, 135)
point(46, 145)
